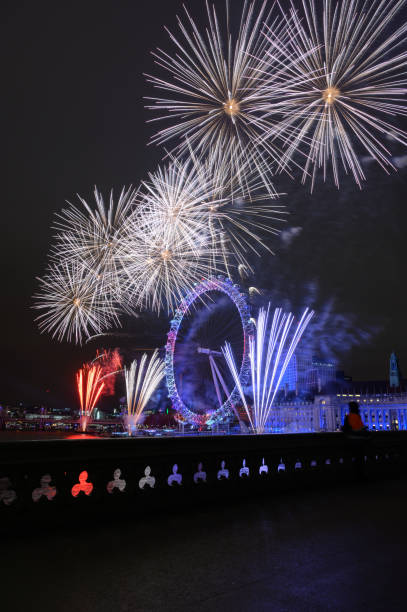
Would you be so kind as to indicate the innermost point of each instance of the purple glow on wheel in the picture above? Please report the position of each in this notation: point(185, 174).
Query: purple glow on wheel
point(227, 287)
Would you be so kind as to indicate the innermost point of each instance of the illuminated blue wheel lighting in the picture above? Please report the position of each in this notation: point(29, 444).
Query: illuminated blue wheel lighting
point(226, 286)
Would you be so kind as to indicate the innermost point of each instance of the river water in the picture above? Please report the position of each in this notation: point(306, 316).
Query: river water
point(18, 436)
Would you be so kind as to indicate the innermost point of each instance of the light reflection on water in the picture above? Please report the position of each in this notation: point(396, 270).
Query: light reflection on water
point(15, 436)
point(81, 436)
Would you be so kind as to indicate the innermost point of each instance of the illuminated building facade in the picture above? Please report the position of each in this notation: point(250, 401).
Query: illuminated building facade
point(327, 413)
point(307, 373)
point(382, 412)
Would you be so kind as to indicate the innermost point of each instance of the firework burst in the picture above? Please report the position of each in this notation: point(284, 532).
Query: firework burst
point(111, 363)
point(244, 215)
point(75, 303)
point(166, 248)
point(194, 218)
point(217, 88)
point(172, 200)
point(90, 237)
point(160, 265)
point(342, 85)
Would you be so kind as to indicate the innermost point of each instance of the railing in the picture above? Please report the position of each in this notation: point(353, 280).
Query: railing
point(70, 479)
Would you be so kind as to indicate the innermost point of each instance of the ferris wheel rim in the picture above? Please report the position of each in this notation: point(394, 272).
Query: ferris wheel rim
point(232, 291)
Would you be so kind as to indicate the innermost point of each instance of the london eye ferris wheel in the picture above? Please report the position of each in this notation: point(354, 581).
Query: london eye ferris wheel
point(199, 381)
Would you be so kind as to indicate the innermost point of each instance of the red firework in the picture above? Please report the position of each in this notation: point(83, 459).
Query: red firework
point(110, 362)
point(96, 379)
point(90, 387)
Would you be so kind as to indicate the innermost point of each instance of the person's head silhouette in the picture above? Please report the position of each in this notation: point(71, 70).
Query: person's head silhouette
point(354, 407)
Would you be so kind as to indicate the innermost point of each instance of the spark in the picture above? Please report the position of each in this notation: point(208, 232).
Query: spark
point(141, 381)
point(253, 291)
point(243, 271)
point(343, 81)
point(270, 350)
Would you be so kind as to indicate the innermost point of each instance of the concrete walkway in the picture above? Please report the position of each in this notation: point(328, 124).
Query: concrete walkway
point(342, 550)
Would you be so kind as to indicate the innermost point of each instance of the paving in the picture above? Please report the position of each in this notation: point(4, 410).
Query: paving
point(341, 549)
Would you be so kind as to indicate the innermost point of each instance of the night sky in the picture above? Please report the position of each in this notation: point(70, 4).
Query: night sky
point(73, 87)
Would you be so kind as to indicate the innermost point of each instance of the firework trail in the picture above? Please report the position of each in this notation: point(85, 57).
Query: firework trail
point(141, 381)
point(90, 387)
point(339, 80)
point(270, 352)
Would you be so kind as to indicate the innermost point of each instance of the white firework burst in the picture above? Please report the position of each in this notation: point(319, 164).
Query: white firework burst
point(243, 217)
point(194, 218)
point(75, 302)
point(217, 88)
point(161, 264)
point(167, 247)
point(171, 201)
point(203, 196)
point(90, 237)
point(341, 86)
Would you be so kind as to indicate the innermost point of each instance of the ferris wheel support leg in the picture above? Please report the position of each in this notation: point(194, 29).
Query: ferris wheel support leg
point(242, 426)
point(214, 370)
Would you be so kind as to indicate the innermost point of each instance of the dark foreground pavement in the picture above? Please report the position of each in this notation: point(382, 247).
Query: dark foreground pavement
point(340, 549)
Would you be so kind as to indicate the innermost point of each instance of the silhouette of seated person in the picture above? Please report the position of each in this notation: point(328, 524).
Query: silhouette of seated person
point(116, 483)
point(85, 487)
point(223, 472)
point(174, 477)
point(200, 474)
point(147, 479)
point(353, 424)
point(45, 490)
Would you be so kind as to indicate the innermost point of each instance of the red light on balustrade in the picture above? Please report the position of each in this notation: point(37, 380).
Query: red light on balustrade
point(83, 485)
